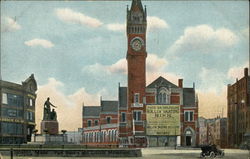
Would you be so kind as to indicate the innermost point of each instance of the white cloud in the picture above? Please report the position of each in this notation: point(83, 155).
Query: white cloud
point(212, 80)
point(154, 63)
point(119, 67)
point(39, 42)
point(116, 27)
point(70, 16)
point(154, 23)
point(9, 24)
point(154, 68)
point(204, 38)
point(237, 72)
point(69, 107)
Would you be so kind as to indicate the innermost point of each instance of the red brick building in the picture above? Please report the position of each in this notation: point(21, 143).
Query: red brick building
point(238, 110)
point(100, 124)
point(127, 126)
point(163, 92)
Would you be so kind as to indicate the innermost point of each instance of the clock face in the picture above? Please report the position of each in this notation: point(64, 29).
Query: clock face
point(136, 44)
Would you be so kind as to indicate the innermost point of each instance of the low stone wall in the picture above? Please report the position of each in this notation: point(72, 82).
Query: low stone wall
point(75, 152)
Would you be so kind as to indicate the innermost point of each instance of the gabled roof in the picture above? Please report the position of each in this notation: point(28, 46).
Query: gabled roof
point(189, 97)
point(91, 111)
point(122, 97)
point(109, 106)
point(160, 81)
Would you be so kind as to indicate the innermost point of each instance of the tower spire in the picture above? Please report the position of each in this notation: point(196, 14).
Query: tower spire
point(136, 5)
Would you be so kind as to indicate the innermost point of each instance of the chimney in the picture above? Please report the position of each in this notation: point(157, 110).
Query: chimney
point(246, 72)
point(180, 83)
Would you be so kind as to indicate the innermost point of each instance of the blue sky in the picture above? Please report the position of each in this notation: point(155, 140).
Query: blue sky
point(82, 45)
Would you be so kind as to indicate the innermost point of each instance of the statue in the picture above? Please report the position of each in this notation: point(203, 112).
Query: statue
point(48, 114)
point(53, 115)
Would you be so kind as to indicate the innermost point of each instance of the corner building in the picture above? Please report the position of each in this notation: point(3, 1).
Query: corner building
point(238, 111)
point(17, 118)
point(130, 117)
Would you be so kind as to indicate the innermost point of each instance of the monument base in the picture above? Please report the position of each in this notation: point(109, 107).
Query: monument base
point(50, 127)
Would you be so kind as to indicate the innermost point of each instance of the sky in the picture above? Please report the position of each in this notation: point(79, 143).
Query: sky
point(77, 50)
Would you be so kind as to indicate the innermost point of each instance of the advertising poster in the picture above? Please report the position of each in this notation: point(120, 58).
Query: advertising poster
point(163, 120)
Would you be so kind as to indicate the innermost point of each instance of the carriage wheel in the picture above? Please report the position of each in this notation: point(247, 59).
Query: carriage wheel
point(202, 155)
point(212, 155)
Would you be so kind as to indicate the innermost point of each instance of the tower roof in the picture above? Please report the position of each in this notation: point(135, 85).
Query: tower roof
point(136, 5)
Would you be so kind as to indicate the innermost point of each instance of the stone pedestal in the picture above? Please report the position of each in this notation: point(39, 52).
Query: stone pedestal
point(51, 126)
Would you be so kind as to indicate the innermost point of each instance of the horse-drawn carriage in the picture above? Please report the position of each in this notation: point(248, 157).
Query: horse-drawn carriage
point(211, 151)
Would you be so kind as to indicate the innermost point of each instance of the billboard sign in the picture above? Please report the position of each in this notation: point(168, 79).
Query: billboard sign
point(163, 119)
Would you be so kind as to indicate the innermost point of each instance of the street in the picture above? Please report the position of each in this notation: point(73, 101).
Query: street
point(162, 153)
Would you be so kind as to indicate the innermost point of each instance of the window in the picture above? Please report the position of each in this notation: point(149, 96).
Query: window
point(123, 117)
point(96, 122)
point(136, 97)
point(189, 115)
point(4, 98)
point(137, 115)
point(12, 113)
point(108, 120)
point(31, 116)
point(8, 112)
point(12, 128)
point(30, 102)
point(89, 123)
point(14, 100)
point(163, 96)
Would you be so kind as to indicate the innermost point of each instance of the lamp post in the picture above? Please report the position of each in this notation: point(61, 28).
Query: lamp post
point(63, 131)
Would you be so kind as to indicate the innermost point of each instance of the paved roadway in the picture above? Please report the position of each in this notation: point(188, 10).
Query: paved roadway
point(161, 153)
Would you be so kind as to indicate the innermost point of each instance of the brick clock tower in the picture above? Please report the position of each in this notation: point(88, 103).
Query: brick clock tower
point(136, 59)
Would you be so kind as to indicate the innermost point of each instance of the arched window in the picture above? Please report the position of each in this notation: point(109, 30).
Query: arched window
point(86, 137)
point(110, 135)
point(164, 96)
point(114, 137)
point(101, 137)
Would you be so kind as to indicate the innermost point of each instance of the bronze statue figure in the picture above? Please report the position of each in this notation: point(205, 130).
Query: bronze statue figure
point(48, 114)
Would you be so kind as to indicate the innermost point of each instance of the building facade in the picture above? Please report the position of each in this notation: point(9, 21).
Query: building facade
point(216, 132)
point(100, 124)
point(203, 131)
point(161, 92)
point(238, 110)
point(126, 122)
point(220, 133)
point(17, 110)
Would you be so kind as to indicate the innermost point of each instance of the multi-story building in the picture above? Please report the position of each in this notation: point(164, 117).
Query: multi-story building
point(238, 110)
point(220, 132)
point(203, 131)
point(100, 124)
point(161, 92)
point(17, 111)
point(216, 131)
point(161, 113)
